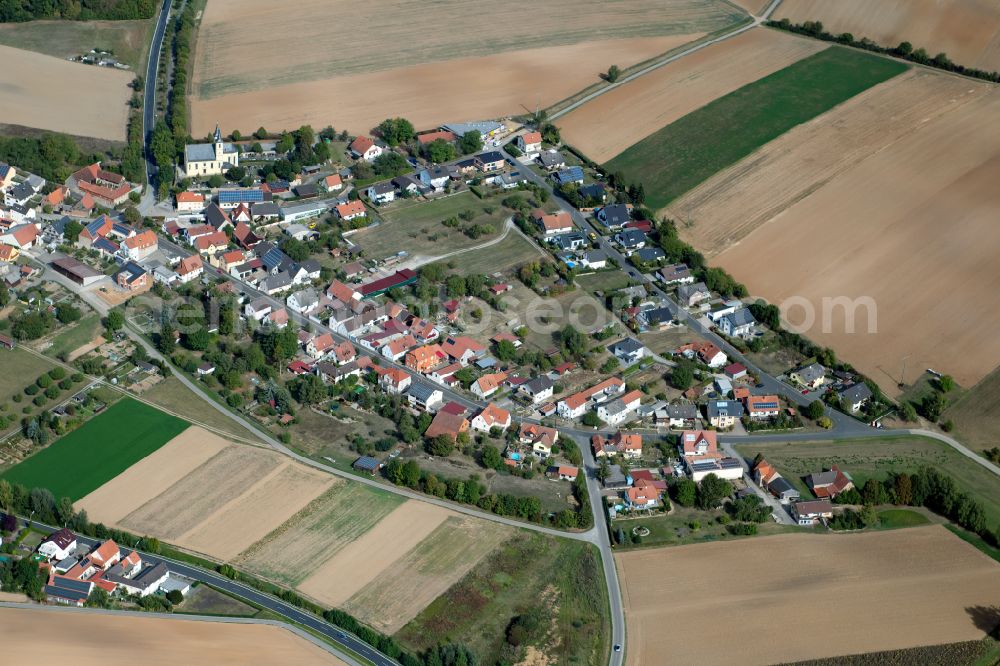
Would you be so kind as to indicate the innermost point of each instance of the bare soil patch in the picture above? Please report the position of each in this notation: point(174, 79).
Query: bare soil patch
point(88, 639)
point(431, 94)
point(890, 196)
point(609, 124)
point(967, 30)
point(426, 572)
point(364, 560)
point(152, 475)
point(844, 594)
point(48, 93)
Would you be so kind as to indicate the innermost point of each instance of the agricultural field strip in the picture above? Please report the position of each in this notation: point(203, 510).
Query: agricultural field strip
point(622, 117)
point(916, 587)
point(225, 61)
point(967, 30)
point(690, 150)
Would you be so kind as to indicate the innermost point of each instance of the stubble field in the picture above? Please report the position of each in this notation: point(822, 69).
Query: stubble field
point(607, 125)
point(794, 597)
point(86, 639)
point(409, 64)
point(889, 197)
point(49, 93)
point(967, 30)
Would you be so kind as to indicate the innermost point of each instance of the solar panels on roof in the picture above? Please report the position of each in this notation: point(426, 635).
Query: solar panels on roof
point(238, 196)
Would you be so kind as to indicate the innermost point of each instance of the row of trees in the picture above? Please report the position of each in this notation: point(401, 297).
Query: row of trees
point(18, 11)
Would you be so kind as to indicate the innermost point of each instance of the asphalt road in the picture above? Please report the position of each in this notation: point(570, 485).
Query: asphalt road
point(255, 596)
point(149, 97)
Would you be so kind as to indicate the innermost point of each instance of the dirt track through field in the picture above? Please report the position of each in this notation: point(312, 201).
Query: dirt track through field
point(151, 476)
point(53, 94)
point(87, 639)
point(609, 124)
point(363, 561)
point(426, 572)
point(431, 94)
point(795, 597)
point(890, 196)
point(967, 30)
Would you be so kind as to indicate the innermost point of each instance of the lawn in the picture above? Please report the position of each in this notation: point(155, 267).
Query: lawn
point(676, 529)
point(416, 226)
point(685, 153)
point(128, 40)
point(877, 458)
point(71, 338)
point(893, 518)
point(171, 394)
point(604, 281)
point(206, 600)
point(511, 252)
point(976, 414)
point(98, 451)
point(562, 578)
point(20, 368)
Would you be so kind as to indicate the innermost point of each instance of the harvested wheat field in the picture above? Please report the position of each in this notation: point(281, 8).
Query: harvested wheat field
point(607, 125)
point(338, 517)
point(889, 196)
point(967, 30)
point(51, 94)
point(426, 572)
point(361, 562)
point(152, 475)
point(409, 66)
point(86, 639)
point(232, 500)
point(772, 595)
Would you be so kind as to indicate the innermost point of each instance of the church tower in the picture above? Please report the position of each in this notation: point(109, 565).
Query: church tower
point(217, 140)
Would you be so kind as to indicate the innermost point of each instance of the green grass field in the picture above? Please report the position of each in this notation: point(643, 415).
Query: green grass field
point(687, 152)
point(512, 251)
point(893, 518)
point(174, 396)
point(603, 281)
point(71, 338)
point(864, 459)
point(19, 369)
point(98, 451)
point(976, 414)
point(563, 578)
point(129, 40)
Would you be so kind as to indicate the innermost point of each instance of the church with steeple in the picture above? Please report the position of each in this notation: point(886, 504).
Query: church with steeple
point(207, 159)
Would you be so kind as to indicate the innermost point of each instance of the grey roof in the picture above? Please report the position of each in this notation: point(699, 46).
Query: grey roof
point(630, 237)
point(626, 346)
point(825, 478)
point(856, 393)
point(739, 318)
point(595, 256)
point(310, 266)
point(279, 281)
point(366, 463)
point(264, 209)
point(36, 182)
point(685, 291)
point(308, 207)
point(811, 372)
point(215, 216)
point(687, 411)
point(657, 315)
point(306, 297)
point(538, 384)
point(675, 272)
point(592, 190)
point(382, 188)
point(205, 152)
point(724, 408)
point(650, 254)
point(490, 156)
point(551, 158)
point(21, 192)
point(780, 486)
point(615, 214)
point(421, 391)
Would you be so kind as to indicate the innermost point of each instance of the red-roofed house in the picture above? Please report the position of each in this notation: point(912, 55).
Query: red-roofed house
point(107, 188)
point(320, 345)
point(555, 223)
point(56, 197)
point(22, 237)
point(541, 438)
point(447, 423)
point(393, 380)
point(488, 384)
point(829, 483)
point(190, 202)
point(735, 370)
point(492, 416)
point(190, 268)
point(629, 445)
point(562, 473)
point(365, 148)
point(699, 443)
point(141, 245)
point(351, 209)
point(332, 183)
point(423, 359)
point(462, 349)
point(530, 144)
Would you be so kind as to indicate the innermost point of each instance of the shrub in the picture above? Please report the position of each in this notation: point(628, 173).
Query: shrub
point(57, 373)
point(30, 389)
point(44, 381)
point(175, 596)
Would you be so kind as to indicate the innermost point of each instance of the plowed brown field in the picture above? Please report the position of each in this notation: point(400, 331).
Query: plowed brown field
point(609, 124)
point(967, 30)
point(795, 597)
point(890, 196)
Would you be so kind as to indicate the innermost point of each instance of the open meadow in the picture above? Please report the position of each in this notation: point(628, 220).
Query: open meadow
point(889, 198)
point(967, 30)
point(98, 451)
point(49, 93)
point(88, 639)
point(127, 40)
point(794, 597)
point(976, 414)
point(607, 125)
point(409, 66)
point(877, 458)
point(171, 394)
point(690, 150)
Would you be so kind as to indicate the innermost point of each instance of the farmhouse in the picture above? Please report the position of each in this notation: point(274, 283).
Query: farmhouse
point(107, 188)
point(208, 159)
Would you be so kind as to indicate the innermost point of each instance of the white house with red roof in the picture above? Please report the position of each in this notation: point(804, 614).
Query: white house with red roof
point(530, 144)
point(140, 246)
point(491, 417)
point(365, 148)
point(350, 210)
point(699, 443)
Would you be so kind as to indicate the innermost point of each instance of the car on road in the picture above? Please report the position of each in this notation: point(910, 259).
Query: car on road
point(618, 648)
point(593, 236)
point(805, 391)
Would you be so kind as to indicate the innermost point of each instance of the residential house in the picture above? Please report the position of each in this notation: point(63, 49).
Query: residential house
point(7, 173)
point(22, 237)
point(140, 246)
point(724, 468)
point(447, 422)
point(629, 445)
point(257, 309)
point(341, 292)
point(593, 192)
point(551, 159)
point(491, 417)
point(829, 483)
point(394, 380)
point(764, 473)
point(812, 512)
point(538, 389)
point(540, 438)
point(676, 274)
point(697, 443)
point(659, 316)
point(331, 183)
point(554, 223)
point(344, 353)
point(594, 260)
point(351, 210)
point(628, 351)
point(614, 217)
point(462, 349)
point(423, 359)
point(58, 545)
point(642, 497)
point(242, 213)
point(365, 148)
point(562, 473)
point(855, 396)
point(381, 193)
point(570, 176)
point(303, 301)
point(211, 243)
point(735, 371)
point(397, 347)
point(762, 406)
point(277, 318)
point(630, 239)
point(575, 405)
point(739, 324)
point(649, 255)
point(811, 376)
point(217, 218)
point(424, 396)
point(19, 195)
point(692, 294)
point(190, 268)
point(530, 144)
point(488, 384)
point(569, 242)
point(618, 410)
point(190, 202)
point(723, 413)
point(320, 345)
point(492, 160)
point(678, 416)
point(132, 277)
